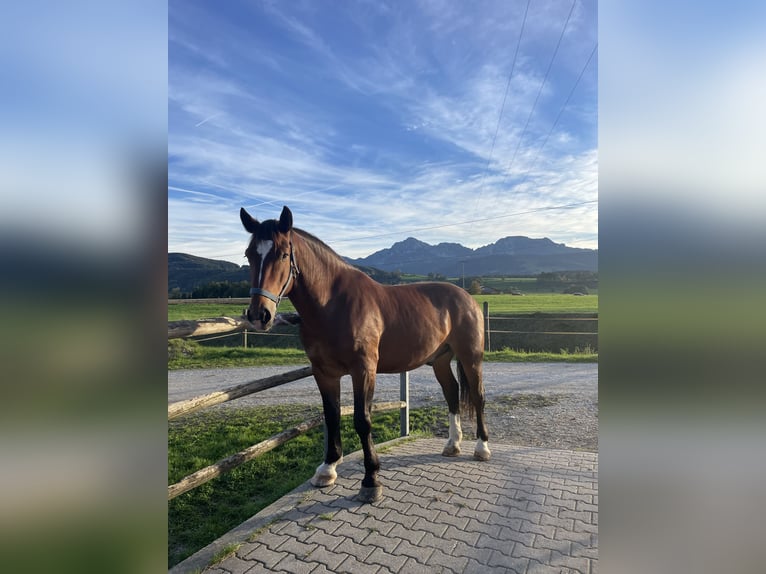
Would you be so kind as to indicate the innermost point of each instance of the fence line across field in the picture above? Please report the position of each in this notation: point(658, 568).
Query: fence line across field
point(228, 326)
point(545, 332)
point(488, 331)
point(245, 335)
point(536, 318)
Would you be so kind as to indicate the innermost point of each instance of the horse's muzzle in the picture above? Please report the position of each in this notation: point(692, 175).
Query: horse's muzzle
point(262, 318)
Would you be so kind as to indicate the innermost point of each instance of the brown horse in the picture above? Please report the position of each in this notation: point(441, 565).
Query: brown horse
point(352, 325)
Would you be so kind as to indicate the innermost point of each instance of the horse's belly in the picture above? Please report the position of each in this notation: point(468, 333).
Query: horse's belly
point(396, 353)
point(399, 356)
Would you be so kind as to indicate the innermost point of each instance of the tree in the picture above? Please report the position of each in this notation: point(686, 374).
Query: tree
point(475, 288)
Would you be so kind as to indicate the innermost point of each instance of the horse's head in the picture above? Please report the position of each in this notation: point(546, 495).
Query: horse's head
point(272, 266)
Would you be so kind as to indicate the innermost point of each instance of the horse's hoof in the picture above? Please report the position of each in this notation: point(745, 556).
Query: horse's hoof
point(325, 475)
point(451, 450)
point(482, 451)
point(369, 494)
point(322, 481)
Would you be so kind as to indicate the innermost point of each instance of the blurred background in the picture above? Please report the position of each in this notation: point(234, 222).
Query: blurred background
point(83, 157)
point(682, 235)
point(83, 110)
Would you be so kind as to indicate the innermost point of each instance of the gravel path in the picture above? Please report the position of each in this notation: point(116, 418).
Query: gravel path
point(551, 405)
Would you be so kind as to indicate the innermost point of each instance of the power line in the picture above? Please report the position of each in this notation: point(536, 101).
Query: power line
point(558, 116)
point(502, 108)
point(540, 91)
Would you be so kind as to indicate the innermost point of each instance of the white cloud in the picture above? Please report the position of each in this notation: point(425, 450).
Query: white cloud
point(262, 149)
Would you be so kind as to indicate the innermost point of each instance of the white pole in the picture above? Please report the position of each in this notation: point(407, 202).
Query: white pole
point(404, 396)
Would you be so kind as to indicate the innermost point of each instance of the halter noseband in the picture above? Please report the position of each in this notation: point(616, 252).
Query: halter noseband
point(294, 272)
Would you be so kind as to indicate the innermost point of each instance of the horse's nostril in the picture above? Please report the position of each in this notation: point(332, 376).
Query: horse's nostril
point(265, 316)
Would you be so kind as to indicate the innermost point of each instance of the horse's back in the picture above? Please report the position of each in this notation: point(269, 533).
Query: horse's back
point(444, 298)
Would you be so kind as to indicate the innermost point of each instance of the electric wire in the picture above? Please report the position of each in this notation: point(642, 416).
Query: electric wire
point(539, 92)
point(502, 108)
point(558, 117)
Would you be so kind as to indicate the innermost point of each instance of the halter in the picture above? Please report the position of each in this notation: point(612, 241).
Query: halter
point(294, 272)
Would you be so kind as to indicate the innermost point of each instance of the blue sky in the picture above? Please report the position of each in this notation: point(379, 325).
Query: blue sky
point(376, 121)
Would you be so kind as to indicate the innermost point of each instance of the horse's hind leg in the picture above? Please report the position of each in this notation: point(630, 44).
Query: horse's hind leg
point(329, 388)
point(451, 390)
point(470, 374)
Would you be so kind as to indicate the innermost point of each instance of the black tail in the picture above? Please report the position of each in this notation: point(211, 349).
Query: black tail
point(466, 406)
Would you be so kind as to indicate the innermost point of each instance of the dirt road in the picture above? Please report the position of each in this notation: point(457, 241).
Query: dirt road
point(552, 405)
point(500, 379)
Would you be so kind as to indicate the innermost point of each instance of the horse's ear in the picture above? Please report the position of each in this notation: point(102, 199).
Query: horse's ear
point(250, 224)
point(285, 220)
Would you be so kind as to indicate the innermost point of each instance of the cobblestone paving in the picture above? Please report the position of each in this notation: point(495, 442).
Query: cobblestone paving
point(527, 510)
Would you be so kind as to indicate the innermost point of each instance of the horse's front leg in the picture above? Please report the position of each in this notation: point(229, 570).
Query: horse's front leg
point(364, 389)
point(329, 388)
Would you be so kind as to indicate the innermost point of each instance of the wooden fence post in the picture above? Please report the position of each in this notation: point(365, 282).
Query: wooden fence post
point(488, 332)
point(404, 396)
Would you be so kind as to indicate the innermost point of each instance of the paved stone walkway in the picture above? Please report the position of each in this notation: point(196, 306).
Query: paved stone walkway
point(527, 510)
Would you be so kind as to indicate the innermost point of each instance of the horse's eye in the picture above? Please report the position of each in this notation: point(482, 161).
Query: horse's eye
point(285, 256)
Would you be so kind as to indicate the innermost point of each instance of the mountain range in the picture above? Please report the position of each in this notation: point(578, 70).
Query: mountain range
point(515, 255)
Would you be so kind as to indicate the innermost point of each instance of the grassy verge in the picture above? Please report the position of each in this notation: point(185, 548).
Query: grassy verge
point(513, 356)
point(198, 517)
point(187, 354)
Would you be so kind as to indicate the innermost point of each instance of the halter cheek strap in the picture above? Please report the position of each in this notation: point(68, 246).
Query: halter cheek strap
point(294, 272)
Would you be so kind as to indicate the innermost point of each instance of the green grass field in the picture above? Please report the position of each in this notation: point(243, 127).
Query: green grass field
point(185, 354)
point(539, 303)
point(498, 304)
point(180, 311)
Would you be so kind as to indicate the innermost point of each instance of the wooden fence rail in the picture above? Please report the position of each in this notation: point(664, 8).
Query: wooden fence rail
point(231, 462)
point(190, 405)
point(198, 327)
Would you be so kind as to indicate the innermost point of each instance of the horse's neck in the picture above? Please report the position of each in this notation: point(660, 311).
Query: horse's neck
point(318, 271)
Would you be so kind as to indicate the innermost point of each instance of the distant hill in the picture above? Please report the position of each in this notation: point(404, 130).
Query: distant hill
point(186, 272)
point(515, 255)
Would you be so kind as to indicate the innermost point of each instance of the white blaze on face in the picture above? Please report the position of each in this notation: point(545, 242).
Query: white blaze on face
point(262, 248)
